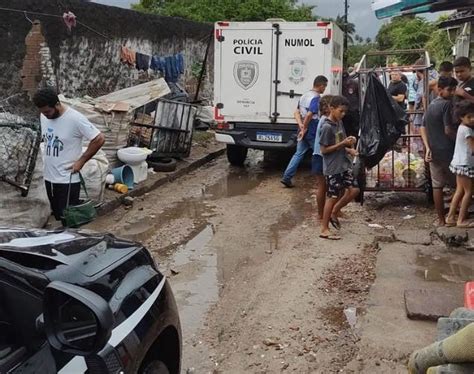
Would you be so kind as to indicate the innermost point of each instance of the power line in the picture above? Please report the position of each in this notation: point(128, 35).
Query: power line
point(25, 12)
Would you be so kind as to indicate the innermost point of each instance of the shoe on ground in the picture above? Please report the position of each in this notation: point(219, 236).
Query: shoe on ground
point(287, 184)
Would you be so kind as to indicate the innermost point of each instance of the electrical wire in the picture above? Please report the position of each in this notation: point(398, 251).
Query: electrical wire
point(56, 16)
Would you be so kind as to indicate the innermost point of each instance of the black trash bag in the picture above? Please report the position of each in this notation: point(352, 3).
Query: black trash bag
point(382, 122)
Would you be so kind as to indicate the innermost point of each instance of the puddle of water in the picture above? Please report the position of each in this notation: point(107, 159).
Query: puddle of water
point(451, 268)
point(198, 289)
point(237, 182)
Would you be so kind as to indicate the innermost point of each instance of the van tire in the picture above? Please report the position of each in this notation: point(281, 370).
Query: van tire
point(236, 154)
point(155, 367)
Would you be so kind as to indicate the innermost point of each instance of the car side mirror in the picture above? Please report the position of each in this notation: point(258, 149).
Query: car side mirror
point(76, 320)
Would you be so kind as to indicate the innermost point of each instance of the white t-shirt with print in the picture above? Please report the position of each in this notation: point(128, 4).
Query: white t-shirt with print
point(462, 152)
point(62, 139)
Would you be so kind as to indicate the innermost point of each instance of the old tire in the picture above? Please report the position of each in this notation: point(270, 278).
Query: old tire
point(236, 154)
point(165, 165)
point(155, 367)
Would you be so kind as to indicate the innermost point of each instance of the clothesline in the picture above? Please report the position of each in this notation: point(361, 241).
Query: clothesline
point(25, 12)
point(79, 22)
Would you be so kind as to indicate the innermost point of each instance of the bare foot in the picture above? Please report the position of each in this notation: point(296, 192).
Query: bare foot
point(450, 222)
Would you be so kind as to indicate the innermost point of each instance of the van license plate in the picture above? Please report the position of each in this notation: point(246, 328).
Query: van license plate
point(269, 137)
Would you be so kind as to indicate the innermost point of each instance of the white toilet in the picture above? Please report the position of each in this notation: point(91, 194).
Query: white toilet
point(135, 157)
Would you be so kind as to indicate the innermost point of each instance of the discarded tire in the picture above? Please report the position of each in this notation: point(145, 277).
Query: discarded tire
point(164, 165)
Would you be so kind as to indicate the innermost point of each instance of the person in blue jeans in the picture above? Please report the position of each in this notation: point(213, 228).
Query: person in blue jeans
point(308, 108)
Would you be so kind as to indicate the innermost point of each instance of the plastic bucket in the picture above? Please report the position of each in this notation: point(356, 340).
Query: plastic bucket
point(124, 175)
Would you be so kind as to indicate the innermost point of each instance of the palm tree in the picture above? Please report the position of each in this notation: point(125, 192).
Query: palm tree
point(349, 28)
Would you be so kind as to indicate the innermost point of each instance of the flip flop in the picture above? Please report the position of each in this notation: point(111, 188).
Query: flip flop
point(335, 223)
point(469, 225)
point(450, 224)
point(330, 237)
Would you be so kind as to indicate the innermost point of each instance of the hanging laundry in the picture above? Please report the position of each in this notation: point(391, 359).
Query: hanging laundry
point(158, 64)
point(127, 56)
point(171, 71)
point(143, 61)
point(180, 63)
point(69, 19)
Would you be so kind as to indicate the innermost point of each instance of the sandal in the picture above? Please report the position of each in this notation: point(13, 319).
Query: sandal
point(330, 237)
point(335, 223)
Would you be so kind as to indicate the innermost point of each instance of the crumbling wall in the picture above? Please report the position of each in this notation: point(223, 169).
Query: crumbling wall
point(81, 61)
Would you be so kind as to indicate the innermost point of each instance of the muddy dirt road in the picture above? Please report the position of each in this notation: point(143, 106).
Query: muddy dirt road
point(260, 292)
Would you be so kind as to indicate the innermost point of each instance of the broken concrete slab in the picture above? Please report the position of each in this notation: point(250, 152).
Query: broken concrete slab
point(413, 237)
point(453, 236)
point(423, 304)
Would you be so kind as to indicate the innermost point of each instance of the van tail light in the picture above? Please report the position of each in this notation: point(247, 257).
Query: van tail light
point(225, 126)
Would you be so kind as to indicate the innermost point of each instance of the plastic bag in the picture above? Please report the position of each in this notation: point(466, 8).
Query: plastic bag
point(381, 124)
point(94, 172)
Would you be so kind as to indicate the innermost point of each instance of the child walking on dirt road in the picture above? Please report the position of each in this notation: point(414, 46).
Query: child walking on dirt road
point(317, 160)
point(337, 150)
point(462, 166)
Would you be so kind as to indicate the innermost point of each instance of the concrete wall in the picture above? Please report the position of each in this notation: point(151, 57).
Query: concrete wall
point(81, 61)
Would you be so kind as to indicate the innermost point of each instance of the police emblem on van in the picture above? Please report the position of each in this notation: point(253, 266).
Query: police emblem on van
point(297, 69)
point(246, 74)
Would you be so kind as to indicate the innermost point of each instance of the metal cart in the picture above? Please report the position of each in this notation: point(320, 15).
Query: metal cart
point(403, 168)
point(167, 130)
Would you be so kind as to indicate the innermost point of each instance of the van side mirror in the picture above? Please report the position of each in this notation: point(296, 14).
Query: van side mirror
point(76, 320)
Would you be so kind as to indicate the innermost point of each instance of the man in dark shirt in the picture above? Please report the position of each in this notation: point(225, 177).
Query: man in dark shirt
point(438, 134)
point(397, 89)
point(350, 90)
point(462, 70)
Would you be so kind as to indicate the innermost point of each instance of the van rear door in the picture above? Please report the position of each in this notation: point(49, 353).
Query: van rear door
point(244, 70)
point(304, 52)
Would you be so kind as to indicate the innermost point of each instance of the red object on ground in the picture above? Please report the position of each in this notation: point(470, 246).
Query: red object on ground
point(469, 295)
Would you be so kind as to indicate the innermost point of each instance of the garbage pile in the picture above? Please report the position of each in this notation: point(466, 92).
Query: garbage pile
point(408, 171)
point(21, 175)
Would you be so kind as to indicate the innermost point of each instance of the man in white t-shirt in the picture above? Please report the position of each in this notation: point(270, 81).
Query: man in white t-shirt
point(63, 129)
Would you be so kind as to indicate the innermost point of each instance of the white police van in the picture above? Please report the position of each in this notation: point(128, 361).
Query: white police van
point(260, 71)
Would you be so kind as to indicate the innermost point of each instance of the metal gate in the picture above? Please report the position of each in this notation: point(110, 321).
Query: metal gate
point(403, 168)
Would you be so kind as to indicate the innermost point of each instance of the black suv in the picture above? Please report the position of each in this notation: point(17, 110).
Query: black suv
point(78, 301)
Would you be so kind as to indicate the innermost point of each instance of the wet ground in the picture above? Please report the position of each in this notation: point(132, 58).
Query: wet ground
point(259, 292)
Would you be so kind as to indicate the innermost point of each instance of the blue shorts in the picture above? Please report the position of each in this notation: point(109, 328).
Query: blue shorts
point(317, 165)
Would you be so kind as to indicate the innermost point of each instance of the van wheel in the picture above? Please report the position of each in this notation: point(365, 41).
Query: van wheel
point(236, 154)
point(155, 367)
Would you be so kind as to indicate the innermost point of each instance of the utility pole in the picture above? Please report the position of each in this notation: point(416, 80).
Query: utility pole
point(346, 11)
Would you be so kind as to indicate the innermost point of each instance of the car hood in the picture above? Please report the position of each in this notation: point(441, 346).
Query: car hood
point(48, 251)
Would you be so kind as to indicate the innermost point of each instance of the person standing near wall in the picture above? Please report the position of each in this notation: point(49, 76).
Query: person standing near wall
point(67, 128)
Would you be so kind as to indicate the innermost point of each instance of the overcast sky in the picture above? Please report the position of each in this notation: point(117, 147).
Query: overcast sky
point(360, 12)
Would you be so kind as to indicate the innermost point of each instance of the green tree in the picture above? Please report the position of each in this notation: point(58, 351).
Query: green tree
point(410, 32)
point(350, 27)
point(439, 46)
point(231, 10)
point(405, 32)
point(356, 51)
